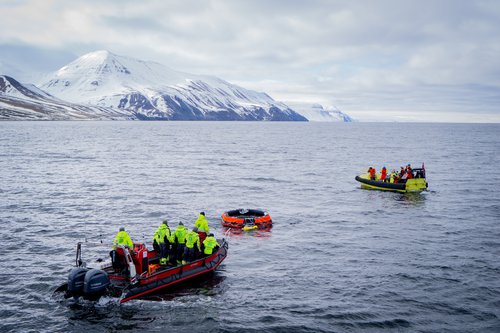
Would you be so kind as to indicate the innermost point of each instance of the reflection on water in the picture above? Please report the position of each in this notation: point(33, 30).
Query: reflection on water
point(412, 198)
point(236, 232)
point(388, 198)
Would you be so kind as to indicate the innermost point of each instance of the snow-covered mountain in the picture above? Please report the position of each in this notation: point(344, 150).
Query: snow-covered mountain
point(316, 112)
point(149, 90)
point(27, 102)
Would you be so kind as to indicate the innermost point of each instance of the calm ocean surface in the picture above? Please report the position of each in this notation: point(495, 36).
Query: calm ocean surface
point(338, 259)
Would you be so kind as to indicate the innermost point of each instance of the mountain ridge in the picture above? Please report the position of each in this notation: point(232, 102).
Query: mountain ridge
point(27, 102)
point(153, 91)
point(103, 85)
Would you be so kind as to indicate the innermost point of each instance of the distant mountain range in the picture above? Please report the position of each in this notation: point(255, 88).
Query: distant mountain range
point(316, 112)
point(102, 85)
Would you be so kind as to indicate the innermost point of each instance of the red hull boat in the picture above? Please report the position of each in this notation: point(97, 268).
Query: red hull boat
point(140, 275)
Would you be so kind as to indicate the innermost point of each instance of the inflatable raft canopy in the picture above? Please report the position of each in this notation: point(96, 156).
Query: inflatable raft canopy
point(246, 219)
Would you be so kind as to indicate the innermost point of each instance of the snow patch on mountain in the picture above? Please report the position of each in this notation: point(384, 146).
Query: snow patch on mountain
point(150, 90)
point(27, 102)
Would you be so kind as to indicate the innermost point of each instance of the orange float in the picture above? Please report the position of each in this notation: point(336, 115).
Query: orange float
point(246, 219)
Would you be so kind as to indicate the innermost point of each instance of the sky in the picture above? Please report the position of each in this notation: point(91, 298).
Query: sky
point(380, 60)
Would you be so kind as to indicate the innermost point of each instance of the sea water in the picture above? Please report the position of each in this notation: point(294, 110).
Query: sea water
point(338, 258)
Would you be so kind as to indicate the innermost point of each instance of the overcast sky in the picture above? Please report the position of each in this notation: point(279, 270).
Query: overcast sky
point(375, 60)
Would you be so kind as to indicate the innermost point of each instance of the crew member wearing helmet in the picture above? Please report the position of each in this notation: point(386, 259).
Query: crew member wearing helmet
point(383, 174)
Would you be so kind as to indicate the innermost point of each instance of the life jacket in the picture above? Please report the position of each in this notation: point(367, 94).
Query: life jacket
point(191, 239)
point(162, 234)
point(122, 238)
point(394, 177)
point(180, 234)
point(210, 243)
point(202, 224)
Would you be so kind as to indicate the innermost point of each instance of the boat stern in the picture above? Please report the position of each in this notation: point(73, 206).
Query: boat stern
point(416, 185)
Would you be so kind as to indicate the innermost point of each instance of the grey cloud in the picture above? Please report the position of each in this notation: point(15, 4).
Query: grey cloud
point(359, 54)
point(130, 23)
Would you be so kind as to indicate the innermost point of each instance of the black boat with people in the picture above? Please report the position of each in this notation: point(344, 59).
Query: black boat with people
point(409, 180)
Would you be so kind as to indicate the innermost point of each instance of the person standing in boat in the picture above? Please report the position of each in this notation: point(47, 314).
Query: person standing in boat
point(180, 241)
point(402, 173)
point(202, 224)
point(122, 239)
point(383, 174)
point(409, 172)
point(373, 173)
point(210, 244)
point(404, 176)
point(394, 176)
point(161, 242)
point(190, 251)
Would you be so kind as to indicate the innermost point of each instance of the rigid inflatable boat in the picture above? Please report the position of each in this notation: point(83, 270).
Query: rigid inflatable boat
point(246, 219)
point(416, 184)
point(140, 275)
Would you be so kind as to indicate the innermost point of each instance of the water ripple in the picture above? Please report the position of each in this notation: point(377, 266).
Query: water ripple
point(338, 258)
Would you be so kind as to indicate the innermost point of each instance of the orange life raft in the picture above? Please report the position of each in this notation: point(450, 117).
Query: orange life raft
point(246, 219)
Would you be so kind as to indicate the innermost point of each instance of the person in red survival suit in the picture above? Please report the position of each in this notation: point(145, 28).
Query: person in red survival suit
point(372, 173)
point(383, 174)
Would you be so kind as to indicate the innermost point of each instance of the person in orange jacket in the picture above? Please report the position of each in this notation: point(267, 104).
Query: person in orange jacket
point(372, 173)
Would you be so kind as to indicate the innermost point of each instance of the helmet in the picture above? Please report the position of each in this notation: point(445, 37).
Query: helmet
point(195, 229)
point(210, 235)
point(165, 222)
point(202, 213)
point(180, 223)
point(122, 229)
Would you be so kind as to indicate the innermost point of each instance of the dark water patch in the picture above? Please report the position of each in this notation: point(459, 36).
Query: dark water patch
point(384, 324)
point(350, 317)
point(264, 180)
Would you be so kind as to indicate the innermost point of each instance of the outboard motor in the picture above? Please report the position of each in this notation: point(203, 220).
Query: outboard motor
point(95, 284)
point(75, 281)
